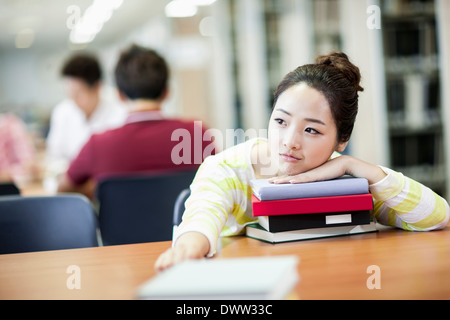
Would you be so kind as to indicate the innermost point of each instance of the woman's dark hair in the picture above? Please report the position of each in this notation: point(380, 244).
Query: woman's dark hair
point(141, 73)
point(83, 66)
point(338, 80)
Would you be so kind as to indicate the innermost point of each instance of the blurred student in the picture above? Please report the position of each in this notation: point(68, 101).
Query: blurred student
point(146, 141)
point(17, 153)
point(85, 111)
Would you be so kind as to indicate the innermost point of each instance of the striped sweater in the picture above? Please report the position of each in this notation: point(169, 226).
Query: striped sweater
point(220, 201)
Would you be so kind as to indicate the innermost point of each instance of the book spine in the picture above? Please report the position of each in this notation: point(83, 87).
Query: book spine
point(312, 221)
point(337, 187)
point(312, 205)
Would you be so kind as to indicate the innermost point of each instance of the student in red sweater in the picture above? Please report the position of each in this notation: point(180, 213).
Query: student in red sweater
point(147, 140)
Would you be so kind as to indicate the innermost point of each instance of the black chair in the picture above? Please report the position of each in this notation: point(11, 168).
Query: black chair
point(46, 223)
point(8, 189)
point(179, 207)
point(137, 209)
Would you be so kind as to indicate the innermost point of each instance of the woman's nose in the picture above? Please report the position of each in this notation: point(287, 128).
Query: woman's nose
point(292, 140)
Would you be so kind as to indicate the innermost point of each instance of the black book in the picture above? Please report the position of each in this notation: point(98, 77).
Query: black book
point(315, 220)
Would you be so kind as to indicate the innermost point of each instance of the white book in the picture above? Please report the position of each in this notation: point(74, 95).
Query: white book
point(224, 279)
point(256, 231)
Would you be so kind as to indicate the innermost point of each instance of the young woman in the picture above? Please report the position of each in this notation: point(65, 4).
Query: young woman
point(312, 120)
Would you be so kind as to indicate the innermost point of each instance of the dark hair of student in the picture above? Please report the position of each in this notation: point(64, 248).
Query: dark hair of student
point(84, 67)
point(141, 73)
point(338, 80)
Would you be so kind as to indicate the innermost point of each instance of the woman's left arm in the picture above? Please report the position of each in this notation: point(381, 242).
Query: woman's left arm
point(405, 203)
point(399, 200)
point(335, 168)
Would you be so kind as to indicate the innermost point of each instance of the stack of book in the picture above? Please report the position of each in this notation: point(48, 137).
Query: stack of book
point(291, 212)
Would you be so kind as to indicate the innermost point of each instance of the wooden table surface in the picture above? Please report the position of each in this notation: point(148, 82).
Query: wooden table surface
point(411, 266)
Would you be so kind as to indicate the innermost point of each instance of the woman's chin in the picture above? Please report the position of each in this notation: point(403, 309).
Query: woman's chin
point(290, 171)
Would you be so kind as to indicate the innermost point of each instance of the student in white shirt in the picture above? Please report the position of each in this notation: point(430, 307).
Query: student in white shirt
point(84, 112)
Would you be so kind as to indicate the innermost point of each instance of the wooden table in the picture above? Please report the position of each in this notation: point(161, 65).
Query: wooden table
point(411, 265)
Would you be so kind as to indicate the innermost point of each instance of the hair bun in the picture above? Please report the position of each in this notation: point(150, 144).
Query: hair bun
point(341, 61)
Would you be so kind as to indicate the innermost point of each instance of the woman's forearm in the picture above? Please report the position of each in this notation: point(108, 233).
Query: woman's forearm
point(335, 168)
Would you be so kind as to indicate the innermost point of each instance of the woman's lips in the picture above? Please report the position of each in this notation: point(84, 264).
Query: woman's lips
point(289, 158)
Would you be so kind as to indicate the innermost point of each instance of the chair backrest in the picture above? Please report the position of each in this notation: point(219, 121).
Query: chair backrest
point(8, 189)
point(179, 207)
point(139, 208)
point(46, 223)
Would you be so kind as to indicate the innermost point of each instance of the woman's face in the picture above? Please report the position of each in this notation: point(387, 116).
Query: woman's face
point(302, 131)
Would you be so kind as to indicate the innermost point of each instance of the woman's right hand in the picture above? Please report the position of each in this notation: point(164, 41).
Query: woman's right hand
point(191, 245)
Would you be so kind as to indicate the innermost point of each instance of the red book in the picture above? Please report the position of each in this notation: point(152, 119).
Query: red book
point(357, 202)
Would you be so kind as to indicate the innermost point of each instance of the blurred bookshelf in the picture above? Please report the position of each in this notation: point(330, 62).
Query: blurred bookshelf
point(322, 15)
point(327, 35)
point(411, 55)
point(273, 9)
point(402, 124)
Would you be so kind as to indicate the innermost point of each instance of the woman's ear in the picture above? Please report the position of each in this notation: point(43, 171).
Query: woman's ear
point(341, 146)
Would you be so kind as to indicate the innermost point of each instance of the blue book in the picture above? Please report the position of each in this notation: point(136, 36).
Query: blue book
point(345, 185)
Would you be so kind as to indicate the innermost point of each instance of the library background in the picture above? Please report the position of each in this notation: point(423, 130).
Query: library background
point(228, 57)
point(402, 111)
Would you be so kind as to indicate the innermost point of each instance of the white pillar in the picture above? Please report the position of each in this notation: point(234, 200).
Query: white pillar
point(221, 71)
point(252, 66)
point(296, 35)
point(365, 48)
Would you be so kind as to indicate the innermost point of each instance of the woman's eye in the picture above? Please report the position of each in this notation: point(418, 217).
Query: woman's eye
point(312, 131)
point(281, 122)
